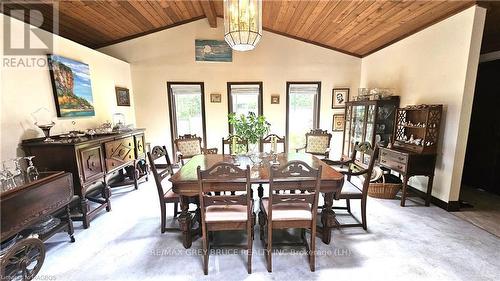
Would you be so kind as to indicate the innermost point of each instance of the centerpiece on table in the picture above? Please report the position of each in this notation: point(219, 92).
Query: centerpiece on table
point(250, 127)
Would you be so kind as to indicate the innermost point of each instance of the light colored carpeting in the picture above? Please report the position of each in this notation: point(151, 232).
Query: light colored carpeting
point(485, 211)
point(412, 243)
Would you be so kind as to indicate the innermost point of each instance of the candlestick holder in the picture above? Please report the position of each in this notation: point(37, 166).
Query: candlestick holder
point(46, 130)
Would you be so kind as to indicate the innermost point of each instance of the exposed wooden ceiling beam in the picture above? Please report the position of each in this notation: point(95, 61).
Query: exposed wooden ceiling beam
point(209, 10)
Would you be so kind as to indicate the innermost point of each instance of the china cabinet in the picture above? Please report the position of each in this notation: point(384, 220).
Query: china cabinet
point(371, 121)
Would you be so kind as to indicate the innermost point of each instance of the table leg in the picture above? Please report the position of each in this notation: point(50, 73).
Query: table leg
point(185, 222)
point(106, 194)
point(429, 191)
point(328, 219)
point(71, 229)
point(260, 191)
point(403, 193)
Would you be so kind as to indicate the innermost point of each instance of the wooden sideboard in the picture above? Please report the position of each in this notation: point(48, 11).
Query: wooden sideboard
point(409, 164)
point(92, 161)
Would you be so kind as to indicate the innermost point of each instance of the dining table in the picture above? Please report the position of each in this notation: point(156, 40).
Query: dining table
point(185, 184)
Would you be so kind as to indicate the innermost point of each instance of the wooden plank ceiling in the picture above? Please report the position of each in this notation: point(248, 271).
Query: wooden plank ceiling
point(353, 27)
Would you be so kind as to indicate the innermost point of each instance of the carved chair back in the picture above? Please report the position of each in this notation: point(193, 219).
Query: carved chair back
point(294, 183)
point(358, 170)
point(239, 141)
point(160, 170)
point(221, 178)
point(188, 146)
point(318, 142)
point(267, 141)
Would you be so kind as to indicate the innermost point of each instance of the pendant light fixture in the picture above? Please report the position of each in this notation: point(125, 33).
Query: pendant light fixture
point(242, 23)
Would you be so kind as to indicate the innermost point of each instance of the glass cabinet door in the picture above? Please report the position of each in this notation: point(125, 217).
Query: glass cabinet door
point(347, 134)
point(370, 124)
point(358, 126)
point(385, 123)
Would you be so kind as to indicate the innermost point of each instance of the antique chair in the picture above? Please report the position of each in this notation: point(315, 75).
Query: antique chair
point(295, 207)
point(225, 212)
point(239, 141)
point(187, 146)
point(160, 172)
point(266, 143)
point(317, 143)
point(352, 189)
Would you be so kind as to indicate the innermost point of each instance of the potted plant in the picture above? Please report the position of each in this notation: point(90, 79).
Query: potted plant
point(251, 127)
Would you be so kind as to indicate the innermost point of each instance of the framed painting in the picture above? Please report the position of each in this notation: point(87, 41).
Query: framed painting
point(122, 96)
point(213, 51)
point(338, 122)
point(71, 86)
point(275, 99)
point(339, 97)
point(215, 98)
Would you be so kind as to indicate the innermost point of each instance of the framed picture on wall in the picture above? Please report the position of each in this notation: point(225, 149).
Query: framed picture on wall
point(338, 122)
point(339, 97)
point(122, 96)
point(275, 99)
point(215, 98)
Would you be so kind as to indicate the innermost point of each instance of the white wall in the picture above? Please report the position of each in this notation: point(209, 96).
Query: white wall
point(436, 66)
point(24, 90)
point(169, 56)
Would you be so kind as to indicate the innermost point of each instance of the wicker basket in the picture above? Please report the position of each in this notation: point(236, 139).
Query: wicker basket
point(384, 190)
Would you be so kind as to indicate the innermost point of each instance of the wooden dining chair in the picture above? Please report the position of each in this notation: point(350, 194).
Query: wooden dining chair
point(187, 146)
point(240, 141)
point(317, 143)
point(160, 172)
point(295, 207)
point(356, 189)
point(225, 212)
point(265, 143)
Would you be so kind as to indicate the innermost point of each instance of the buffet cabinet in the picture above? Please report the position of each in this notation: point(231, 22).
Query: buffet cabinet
point(99, 161)
point(368, 121)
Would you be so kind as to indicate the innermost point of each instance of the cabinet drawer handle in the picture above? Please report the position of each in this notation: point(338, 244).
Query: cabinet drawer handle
point(400, 167)
point(401, 158)
point(383, 161)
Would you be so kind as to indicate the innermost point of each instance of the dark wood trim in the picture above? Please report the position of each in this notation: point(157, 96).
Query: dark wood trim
point(451, 206)
point(311, 42)
point(408, 34)
point(209, 10)
point(146, 33)
point(317, 101)
point(171, 106)
point(230, 101)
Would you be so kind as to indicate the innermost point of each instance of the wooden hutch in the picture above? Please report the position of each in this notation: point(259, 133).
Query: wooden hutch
point(414, 150)
point(93, 161)
point(368, 120)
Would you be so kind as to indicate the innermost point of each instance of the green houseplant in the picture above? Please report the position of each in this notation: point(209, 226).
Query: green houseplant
point(250, 127)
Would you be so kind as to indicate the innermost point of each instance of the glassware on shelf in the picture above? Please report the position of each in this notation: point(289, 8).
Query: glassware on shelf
point(8, 181)
point(18, 174)
point(31, 172)
point(46, 130)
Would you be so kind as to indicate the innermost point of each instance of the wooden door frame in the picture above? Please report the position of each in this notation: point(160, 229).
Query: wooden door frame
point(172, 114)
point(316, 117)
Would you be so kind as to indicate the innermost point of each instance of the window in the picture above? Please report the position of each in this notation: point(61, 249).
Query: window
point(244, 97)
point(302, 111)
point(187, 109)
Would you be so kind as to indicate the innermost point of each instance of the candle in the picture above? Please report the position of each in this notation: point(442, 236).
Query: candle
point(233, 145)
point(273, 144)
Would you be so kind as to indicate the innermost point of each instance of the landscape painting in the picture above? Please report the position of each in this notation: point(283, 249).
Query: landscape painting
point(213, 50)
point(71, 86)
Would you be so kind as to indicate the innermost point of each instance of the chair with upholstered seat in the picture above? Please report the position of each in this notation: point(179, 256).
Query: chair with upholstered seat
point(187, 146)
point(317, 143)
point(240, 142)
point(160, 172)
point(294, 207)
point(356, 190)
point(222, 211)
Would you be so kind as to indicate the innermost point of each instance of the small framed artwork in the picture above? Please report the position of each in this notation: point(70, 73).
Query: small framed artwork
point(275, 99)
point(122, 96)
point(215, 98)
point(338, 122)
point(339, 97)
